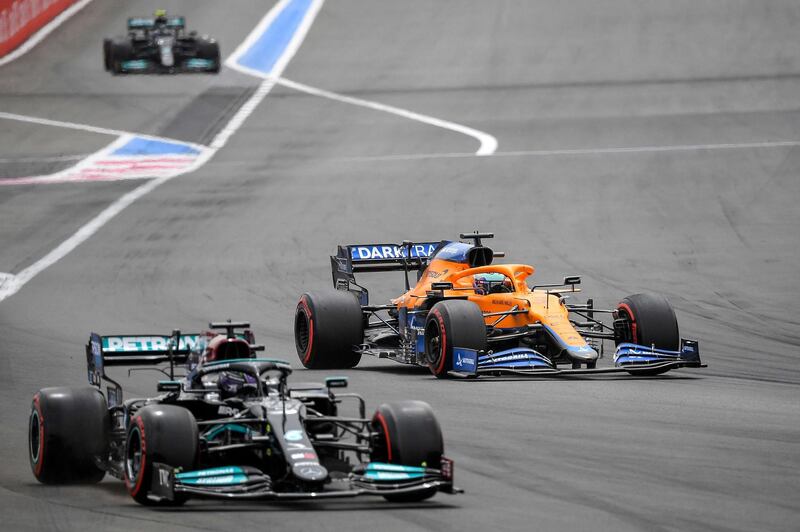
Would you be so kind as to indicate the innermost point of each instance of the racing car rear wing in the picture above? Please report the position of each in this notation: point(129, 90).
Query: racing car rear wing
point(146, 350)
point(405, 257)
point(146, 23)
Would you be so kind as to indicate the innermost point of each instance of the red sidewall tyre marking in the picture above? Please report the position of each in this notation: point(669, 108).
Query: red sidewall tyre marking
point(442, 342)
point(307, 311)
point(634, 332)
point(385, 426)
point(140, 474)
point(40, 458)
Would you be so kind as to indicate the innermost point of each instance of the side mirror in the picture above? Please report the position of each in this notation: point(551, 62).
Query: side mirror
point(573, 279)
point(441, 286)
point(168, 386)
point(336, 382)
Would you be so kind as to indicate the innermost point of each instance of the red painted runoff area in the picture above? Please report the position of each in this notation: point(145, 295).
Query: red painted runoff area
point(19, 19)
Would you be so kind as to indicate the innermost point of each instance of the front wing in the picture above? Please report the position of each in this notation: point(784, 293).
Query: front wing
point(149, 66)
point(628, 358)
point(249, 483)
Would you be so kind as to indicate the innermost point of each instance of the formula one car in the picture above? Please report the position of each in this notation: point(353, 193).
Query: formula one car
point(231, 428)
point(160, 45)
point(468, 317)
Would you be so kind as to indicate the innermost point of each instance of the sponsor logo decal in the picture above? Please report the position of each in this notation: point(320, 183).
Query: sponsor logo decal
point(391, 251)
point(293, 435)
point(226, 411)
point(136, 344)
point(436, 275)
point(465, 359)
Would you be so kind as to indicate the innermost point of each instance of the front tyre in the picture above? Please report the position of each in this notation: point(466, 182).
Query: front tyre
point(120, 51)
point(209, 49)
point(648, 320)
point(107, 61)
point(158, 433)
point(407, 433)
point(68, 435)
point(328, 328)
point(450, 324)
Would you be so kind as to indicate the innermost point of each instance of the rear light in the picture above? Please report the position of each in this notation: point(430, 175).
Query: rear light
point(447, 469)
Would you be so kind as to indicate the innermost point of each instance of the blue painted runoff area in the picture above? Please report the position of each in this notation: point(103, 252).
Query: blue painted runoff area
point(142, 146)
point(269, 47)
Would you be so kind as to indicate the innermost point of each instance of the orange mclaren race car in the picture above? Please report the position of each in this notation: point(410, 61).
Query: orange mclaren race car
point(467, 317)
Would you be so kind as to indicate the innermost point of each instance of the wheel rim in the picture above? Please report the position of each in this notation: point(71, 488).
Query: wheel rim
point(133, 454)
point(626, 315)
point(35, 436)
point(433, 343)
point(301, 332)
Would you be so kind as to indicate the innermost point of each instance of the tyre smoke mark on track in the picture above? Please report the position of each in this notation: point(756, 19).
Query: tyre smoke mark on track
point(203, 118)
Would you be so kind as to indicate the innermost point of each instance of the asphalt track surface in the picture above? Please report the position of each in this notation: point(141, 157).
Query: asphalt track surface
point(701, 211)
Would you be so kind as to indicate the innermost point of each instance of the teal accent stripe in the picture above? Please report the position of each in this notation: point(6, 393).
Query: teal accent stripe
point(222, 480)
point(215, 471)
point(233, 427)
point(394, 468)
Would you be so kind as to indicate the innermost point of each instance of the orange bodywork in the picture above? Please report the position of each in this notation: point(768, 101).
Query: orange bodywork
point(542, 307)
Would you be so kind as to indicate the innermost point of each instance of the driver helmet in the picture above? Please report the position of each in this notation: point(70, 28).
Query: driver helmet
point(488, 283)
point(160, 16)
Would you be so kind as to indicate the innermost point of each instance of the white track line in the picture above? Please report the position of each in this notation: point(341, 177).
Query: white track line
point(269, 82)
point(43, 32)
point(93, 129)
point(585, 151)
point(52, 159)
point(11, 284)
point(488, 143)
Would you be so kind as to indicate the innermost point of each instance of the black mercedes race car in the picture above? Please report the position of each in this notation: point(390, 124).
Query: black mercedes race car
point(231, 427)
point(160, 45)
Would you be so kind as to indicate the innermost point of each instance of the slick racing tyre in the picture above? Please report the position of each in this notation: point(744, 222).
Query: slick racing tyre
point(121, 50)
point(648, 320)
point(209, 49)
point(407, 433)
point(107, 54)
point(328, 327)
point(454, 323)
point(68, 435)
point(158, 433)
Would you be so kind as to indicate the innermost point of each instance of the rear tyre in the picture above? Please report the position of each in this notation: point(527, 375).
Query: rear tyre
point(328, 327)
point(158, 433)
point(407, 433)
point(648, 320)
point(68, 435)
point(455, 323)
